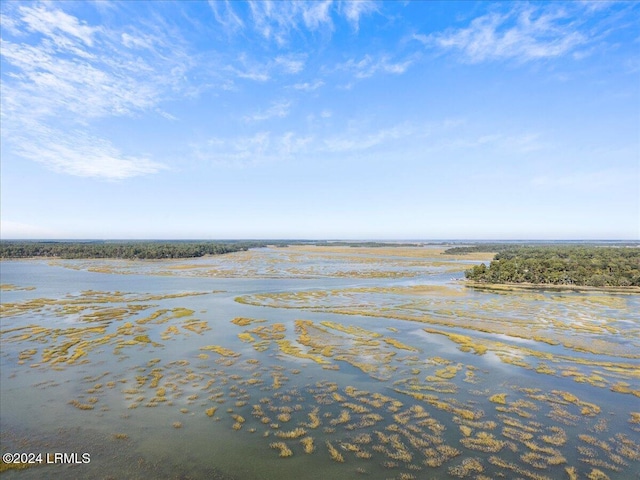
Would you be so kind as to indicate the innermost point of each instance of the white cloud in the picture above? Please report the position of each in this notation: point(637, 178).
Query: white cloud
point(274, 20)
point(251, 150)
point(9, 22)
point(356, 141)
point(263, 71)
point(523, 34)
point(317, 14)
point(276, 110)
point(354, 9)
point(49, 84)
point(290, 63)
point(400, 142)
point(267, 146)
point(226, 15)
point(65, 74)
point(257, 74)
point(77, 153)
point(278, 20)
point(512, 144)
point(308, 86)
point(56, 25)
point(369, 66)
point(291, 144)
point(132, 41)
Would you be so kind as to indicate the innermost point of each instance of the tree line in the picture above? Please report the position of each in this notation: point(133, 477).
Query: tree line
point(155, 249)
point(124, 249)
point(580, 265)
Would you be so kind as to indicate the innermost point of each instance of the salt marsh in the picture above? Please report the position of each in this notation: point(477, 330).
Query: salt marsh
point(314, 362)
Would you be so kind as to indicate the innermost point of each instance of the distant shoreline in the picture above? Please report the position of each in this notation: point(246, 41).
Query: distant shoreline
point(514, 287)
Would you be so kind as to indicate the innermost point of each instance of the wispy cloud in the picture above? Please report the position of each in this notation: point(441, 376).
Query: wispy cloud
point(275, 20)
point(255, 72)
point(63, 73)
point(369, 66)
point(450, 137)
point(80, 154)
point(57, 25)
point(351, 142)
point(308, 86)
point(268, 146)
point(276, 110)
point(225, 14)
point(290, 63)
point(317, 14)
point(353, 10)
point(278, 20)
point(523, 34)
point(261, 71)
point(519, 143)
point(249, 150)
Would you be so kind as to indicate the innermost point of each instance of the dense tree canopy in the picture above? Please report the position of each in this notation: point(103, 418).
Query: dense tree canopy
point(596, 266)
point(137, 249)
point(113, 249)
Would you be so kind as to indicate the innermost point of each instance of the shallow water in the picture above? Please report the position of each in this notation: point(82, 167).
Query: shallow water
point(381, 357)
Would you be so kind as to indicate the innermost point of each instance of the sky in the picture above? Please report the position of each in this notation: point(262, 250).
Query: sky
point(320, 120)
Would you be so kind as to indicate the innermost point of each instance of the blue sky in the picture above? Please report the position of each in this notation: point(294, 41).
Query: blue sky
point(323, 119)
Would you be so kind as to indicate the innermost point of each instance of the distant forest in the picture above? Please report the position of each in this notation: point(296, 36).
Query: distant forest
point(552, 264)
point(138, 249)
point(580, 265)
point(124, 249)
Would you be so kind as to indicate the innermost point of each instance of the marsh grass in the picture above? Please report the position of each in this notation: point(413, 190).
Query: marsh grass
point(411, 410)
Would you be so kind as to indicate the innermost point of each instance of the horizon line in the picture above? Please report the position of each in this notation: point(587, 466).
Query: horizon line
point(358, 240)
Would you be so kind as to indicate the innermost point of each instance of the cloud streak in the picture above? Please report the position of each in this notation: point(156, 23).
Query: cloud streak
point(269, 146)
point(278, 21)
point(80, 154)
point(353, 10)
point(57, 25)
point(276, 110)
point(369, 66)
point(308, 86)
point(523, 34)
point(262, 71)
point(242, 151)
point(63, 74)
point(225, 14)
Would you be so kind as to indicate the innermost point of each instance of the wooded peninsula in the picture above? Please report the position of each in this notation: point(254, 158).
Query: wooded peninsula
point(577, 265)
